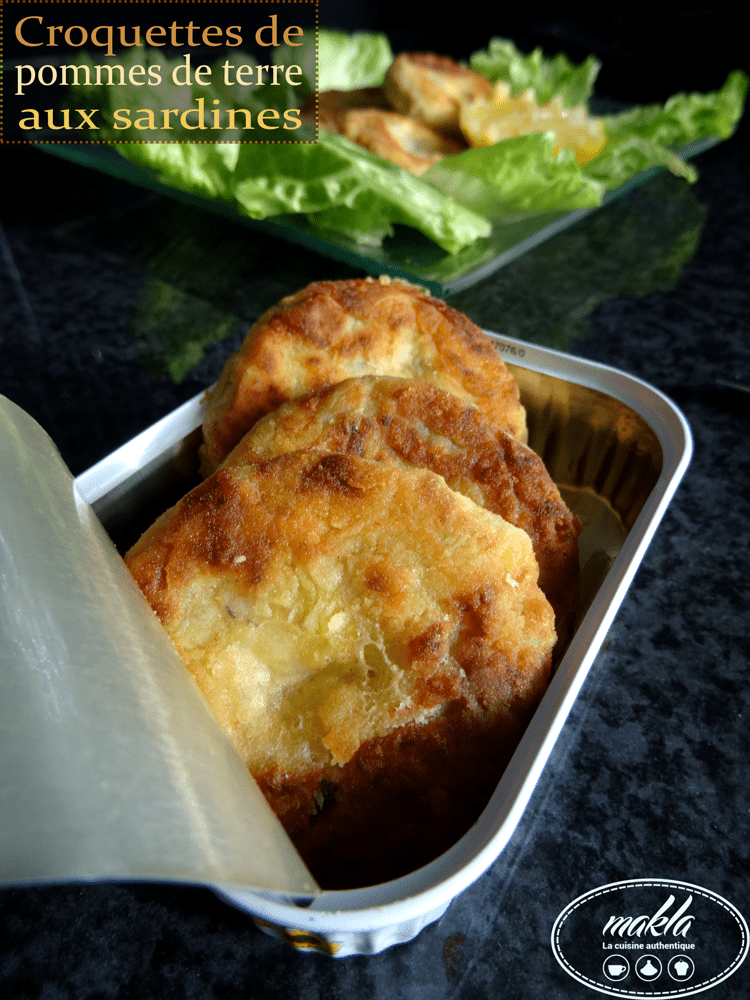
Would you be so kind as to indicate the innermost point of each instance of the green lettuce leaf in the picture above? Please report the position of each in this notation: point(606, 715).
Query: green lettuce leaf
point(517, 176)
point(352, 187)
point(648, 136)
point(547, 77)
point(347, 62)
point(334, 182)
point(685, 117)
point(626, 154)
point(376, 199)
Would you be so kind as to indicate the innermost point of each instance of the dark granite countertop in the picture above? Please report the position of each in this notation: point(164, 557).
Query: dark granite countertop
point(118, 305)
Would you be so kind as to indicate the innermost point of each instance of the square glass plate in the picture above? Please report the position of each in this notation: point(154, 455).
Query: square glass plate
point(408, 254)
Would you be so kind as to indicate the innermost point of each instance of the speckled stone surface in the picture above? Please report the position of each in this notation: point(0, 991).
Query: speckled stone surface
point(649, 777)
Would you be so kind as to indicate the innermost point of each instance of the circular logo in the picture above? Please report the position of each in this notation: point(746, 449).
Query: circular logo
point(650, 938)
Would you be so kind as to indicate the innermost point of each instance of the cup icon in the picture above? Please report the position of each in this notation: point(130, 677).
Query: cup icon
point(616, 967)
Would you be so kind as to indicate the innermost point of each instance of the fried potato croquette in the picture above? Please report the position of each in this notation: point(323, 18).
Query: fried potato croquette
point(373, 642)
point(329, 104)
point(432, 88)
point(333, 330)
point(416, 424)
point(364, 117)
point(396, 138)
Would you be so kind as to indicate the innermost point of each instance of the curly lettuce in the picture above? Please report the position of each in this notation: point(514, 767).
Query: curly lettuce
point(547, 77)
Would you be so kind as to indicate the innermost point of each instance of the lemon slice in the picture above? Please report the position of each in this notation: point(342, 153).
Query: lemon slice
point(485, 122)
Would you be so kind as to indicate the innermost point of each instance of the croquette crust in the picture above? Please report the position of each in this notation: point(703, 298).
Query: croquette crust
point(333, 330)
point(417, 424)
point(397, 138)
point(432, 88)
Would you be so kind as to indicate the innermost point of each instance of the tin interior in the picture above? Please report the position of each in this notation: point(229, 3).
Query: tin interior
point(605, 459)
point(590, 440)
point(131, 506)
